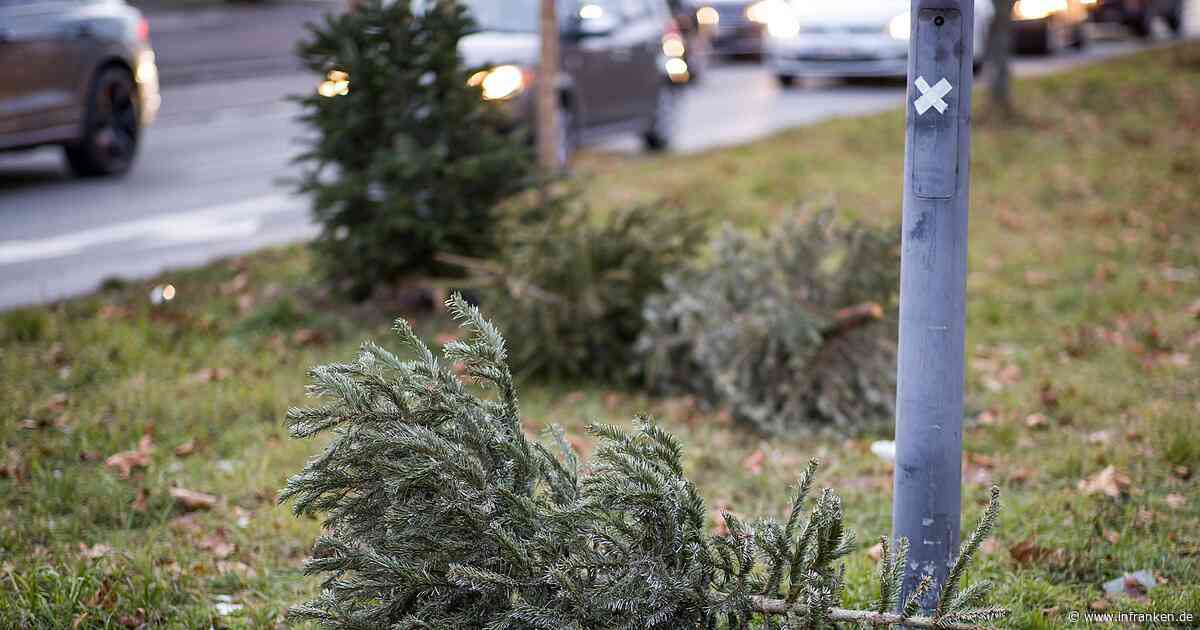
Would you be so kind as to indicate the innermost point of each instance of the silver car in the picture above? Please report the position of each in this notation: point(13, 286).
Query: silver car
point(847, 39)
point(80, 74)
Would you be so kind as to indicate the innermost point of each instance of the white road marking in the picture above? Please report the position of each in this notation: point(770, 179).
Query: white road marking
point(221, 222)
point(932, 96)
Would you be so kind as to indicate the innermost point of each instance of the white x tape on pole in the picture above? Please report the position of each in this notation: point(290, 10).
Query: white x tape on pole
point(932, 96)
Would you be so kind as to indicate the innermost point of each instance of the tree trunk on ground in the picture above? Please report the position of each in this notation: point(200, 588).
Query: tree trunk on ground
point(999, 50)
point(547, 92)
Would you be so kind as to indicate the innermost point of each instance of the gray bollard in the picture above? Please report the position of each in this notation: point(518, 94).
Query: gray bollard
point(929, 398)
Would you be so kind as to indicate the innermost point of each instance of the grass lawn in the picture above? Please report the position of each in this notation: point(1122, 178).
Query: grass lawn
point(1084, 354)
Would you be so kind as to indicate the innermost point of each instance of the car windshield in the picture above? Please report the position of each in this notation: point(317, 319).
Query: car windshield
point(507, 16)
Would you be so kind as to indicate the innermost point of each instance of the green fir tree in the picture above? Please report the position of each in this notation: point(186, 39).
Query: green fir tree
point(408, 160)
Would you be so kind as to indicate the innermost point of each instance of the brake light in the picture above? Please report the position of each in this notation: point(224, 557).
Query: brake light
point(143, 30)
point(672, 28)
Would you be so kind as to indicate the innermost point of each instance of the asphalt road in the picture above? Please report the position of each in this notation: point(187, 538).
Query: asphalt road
point(210, 181)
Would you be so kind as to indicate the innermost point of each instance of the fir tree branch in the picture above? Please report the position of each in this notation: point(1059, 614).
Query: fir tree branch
point(771, 606)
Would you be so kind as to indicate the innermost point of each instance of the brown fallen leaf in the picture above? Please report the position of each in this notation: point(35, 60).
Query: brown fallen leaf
point(13, 465)
point(139, 502)
point(1028, 552)
point(1176, 501)
point(98, 550)
point(191, 500)
point(981, 460)
point(1021, 474)
point(125, 461)
point(1036, 421)
point(1108, 481)
point(185, 449)
point(309, 337)
point(218, 545)
point(1049, 396)
point(754, 461)
point(235, 567)
point(209, 375)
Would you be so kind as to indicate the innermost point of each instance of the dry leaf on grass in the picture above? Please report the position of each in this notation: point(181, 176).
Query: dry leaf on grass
point(1036, 421)
point(125, 461)
point(218, 545)
point(754, 461)
point(1028, 552)
point(139, 502)
point(209, 375)
point(185, 449)
point(98, 550)
point(1108, 481)
point(191, 500)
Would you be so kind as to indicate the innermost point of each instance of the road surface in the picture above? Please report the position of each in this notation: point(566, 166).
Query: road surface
point(210, 181)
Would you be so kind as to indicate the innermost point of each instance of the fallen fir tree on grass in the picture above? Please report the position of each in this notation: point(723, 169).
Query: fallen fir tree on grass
point(441, 513)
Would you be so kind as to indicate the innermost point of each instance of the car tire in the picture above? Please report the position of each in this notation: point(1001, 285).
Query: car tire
point(1051, 42)
point(1080, 40)
point(1142, 23)
point(565, 140)
point(1174, 19)
point(111, 128)
point(661, 131)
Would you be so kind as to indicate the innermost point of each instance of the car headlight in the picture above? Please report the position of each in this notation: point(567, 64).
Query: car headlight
point(673, 45)
point(900, 27)
point(764, 10)
point(708, 16)
point(1037, 9)
point(499, 83)
point(336, 83)
point(784, 24)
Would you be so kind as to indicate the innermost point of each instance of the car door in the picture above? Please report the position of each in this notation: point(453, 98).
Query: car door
point(40, 58)
point(640, 46)
point(594, 60)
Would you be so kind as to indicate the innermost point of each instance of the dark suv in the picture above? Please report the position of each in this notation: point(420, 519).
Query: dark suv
point(78, 73)
point(613, 70)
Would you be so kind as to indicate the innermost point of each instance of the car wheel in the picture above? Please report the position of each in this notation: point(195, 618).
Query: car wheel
point(564, 133)
point(785, 80)
point(1052, 39)
point(1080, 40)
point(1174, 19)
point(110, 129)
point(1142, 23)
point(661, 132)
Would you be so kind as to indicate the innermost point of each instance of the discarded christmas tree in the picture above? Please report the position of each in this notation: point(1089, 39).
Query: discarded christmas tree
point(441, 513)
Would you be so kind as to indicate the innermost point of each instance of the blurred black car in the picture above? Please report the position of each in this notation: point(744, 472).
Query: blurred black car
point(737, 27)
point(1047, 26)
point(80, 74)
point(1139, 15)
point(614, 76)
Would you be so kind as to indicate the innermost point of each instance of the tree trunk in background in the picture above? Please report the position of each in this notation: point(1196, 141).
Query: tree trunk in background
point(999, 50)
point(547, 92)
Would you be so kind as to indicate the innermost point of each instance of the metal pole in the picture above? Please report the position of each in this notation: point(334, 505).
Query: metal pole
point(933, 268)
point(547, 91)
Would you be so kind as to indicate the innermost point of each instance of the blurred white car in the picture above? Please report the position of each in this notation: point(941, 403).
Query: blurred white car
point(865, 38)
